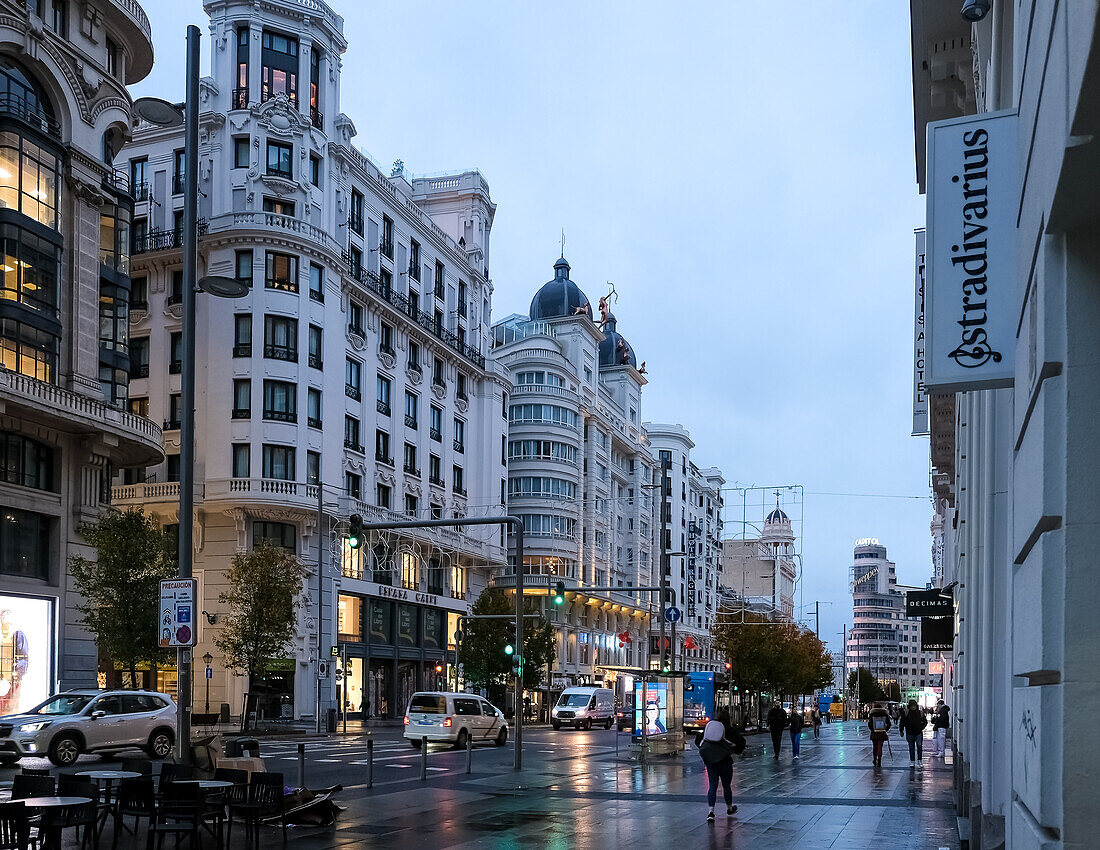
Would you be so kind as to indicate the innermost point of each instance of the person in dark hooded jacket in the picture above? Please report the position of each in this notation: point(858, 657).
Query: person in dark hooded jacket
point(777, 722)
point(911, 726)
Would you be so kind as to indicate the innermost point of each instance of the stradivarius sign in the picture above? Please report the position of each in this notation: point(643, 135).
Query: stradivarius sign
point(970, 274)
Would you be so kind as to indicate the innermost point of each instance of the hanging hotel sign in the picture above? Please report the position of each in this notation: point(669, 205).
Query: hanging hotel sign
point(937, 634)
point(920, 394)
point(970, 271)
point(929, 603)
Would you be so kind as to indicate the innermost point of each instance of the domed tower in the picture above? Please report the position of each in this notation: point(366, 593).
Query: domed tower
point(560, 297)
point(615, 350)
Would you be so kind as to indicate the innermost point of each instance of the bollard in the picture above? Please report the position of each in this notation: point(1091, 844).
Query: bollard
point(301, 765)
point(469, 753)
point(370, 762)
point(423, 758)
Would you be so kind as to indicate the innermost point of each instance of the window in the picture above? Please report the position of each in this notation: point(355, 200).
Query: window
point(383, 384)
point(177, 172)
point(313, 467)
point(60, 18)
point(355, 217)
point(440, 291)
point(30, 268)
point(279, 75)
point(242, 266)
point(414, 259)
point(139, 357)
point(139, 293)
point(411, 505)
point(279, 534)
point(385, 282)
point(460, 436)
point(139, 406)
point(547, 413)
point(462, 299)
point(460, 386)
point(355, 318)
point(353, 485)
point(280, 159)
point(279, 206)
point(436, 424)
point(113, 54)
point(457, 481)
point(315, 115)
point(139, 178)
point(458, 581)
point(317, 282)
point(414, 356)
point(240, 93)
point(385, 339)
point(241, 146)
point(382, 496)
point(316, 359)
point(278, 462)
point(411, 400)
point(26, 462)
point(281, 338)
point(175, 352)
point(382, 447)
point(436, 511)
point(30, 176)
point(315, 170)
point(175, 411)
point(175, 295)
point(280, 401)
point(172, 468)
point(313, 407)
point(437, 372)
point(435, 470)
point(242, 335)
point(351, 434)
point(24, 543)
point(242, 460)
point(242, 398)
point(352, 385)
point(385, 244)
point(410, 460)
point(281, 272)
point(409, 578)
point(543, 487)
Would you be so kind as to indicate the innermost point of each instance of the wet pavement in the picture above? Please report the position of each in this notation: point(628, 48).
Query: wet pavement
point(576, 792)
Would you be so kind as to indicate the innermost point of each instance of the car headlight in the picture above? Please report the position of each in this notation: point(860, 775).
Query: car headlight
point(35, 727)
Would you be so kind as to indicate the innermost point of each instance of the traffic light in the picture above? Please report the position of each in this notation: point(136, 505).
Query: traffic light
point(355, 531)
point(517, 664)
point(510, 639)
point(438, 668)
point(559, 593)
point(728, 666)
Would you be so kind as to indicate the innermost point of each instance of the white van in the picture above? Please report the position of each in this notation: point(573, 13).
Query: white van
point(452, 718)
point(584, 708)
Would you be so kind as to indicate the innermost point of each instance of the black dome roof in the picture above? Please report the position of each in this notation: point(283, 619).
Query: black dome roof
point(615, 350)
point(776, 515)
point(559, 297)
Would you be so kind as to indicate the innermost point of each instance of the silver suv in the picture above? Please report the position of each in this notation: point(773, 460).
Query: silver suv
point(76, 722)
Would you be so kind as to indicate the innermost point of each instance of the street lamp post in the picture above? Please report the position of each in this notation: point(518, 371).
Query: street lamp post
point(165, 114)
point(206, 659)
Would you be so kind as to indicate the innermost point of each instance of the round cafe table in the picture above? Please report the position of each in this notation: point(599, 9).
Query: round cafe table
point(52, 832)
point(108, 778)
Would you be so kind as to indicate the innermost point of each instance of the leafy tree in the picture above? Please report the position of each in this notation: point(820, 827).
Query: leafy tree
point(862, 682)
point(264, 587)
point(482, 654)
point(892, 691)
point(539, 649)
point(121, 587)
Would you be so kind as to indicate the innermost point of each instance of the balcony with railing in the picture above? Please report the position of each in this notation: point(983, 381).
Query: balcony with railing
point(354, 446)
point(383, 408)
point(411, 469)
point(414, 271)
point(177, 184)
point(283, 173)
point(273, 223)
point(280, 415)
point(317, 118)
point(436, 480)
point(410, 421)
point(459, 447)
point(242, 349)
point(352, 392)
point(313, 422)
point(162, 240)
point(385, 246)
point(315, 361)
point(281, 352)
point(28, 112)
point(436, 434)
point(238, 99)
point(383, 458)
point(139, 370)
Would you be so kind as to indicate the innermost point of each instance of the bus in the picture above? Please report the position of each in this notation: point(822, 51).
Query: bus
point(698, 700)
point(831, 704)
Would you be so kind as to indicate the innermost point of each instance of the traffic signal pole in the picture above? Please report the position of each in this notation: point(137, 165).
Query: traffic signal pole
point(663, 580)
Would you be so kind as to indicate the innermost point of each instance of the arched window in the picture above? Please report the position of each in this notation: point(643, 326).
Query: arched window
point(23, 96)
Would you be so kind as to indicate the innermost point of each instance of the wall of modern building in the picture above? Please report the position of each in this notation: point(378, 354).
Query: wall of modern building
point(64, 219)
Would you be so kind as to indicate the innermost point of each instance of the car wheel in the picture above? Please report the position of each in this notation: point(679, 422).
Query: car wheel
point(160, 744)
point(502, 737)
point(415, 743)
point(556, 726)
point(586, 725)
point(64, 750)
point(8, 759)
point(460, 741)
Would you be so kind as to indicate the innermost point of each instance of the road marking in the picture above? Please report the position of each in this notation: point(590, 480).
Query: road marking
point(399, 765)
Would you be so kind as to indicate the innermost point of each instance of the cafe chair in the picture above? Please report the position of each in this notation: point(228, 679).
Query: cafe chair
point(179, 813)
point(35, 771)
point(15, 827)
point(133, 765)
point(265, 799)
point(136, 798)
point(170, 772)
point(82, 817)
point(24, 785)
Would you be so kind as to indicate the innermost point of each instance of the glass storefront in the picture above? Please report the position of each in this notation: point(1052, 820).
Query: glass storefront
point(26, 652)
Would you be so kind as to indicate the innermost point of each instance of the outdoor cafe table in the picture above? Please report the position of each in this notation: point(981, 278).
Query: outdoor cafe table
point(108, 777)
point(53, 833)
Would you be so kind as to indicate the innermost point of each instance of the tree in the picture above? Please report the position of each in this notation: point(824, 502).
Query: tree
point(121, 587)
point(264, 586)
point(863, 684)
point(484, 661)
point(539, 648)
point(892, 691)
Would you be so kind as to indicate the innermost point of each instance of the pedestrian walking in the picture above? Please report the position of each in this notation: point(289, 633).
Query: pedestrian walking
point(777, 722)
point(796, 723)
point(941, 720)
point(911, 728)
point(718, 743)
point(816, 718)
point(878, 721)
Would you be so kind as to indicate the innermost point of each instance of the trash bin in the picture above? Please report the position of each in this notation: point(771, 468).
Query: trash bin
point(223, 714)
point(330, 723)
point(235, 748)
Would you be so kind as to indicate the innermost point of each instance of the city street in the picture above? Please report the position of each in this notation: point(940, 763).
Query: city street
point(574, 792)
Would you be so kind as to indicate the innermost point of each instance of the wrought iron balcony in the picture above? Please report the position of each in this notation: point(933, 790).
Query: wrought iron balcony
point(313, 422)
point(276, 171)
point(317, 118)
point(139, 191)
point(315, 361)
point(411, 469)
point(281, 352)
point(381, 458)
point(436, 435)
point(410, 421)
point(355, 329)
point(383, 408)
point(239, 99)
point(352, 392)
point(12, 105)
point(280, 415)
point(141, 370)
point(243, 349)
point(437, 481)
point(161, 240)
point(352, 445)
point(241, 413)
point(385, 246)
point(459, 447)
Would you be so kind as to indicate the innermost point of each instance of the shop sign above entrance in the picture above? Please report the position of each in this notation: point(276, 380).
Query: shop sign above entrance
point(402, 594)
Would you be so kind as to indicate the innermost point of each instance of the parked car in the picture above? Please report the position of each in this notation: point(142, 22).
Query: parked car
point(453, 718)
point(75, 722)
point(624, 713)
point(584, 708)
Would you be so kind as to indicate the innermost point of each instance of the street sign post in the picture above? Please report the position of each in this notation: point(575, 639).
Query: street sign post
point(672, 614)
point(177, 612)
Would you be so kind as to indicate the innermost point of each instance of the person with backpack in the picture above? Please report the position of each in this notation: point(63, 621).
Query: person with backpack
point(911, 727)
point(777, 722)
point(878, 721)
point(796, 723)
point(718, 743)
point(941, 720)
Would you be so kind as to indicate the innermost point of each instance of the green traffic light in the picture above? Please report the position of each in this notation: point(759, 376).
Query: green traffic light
point(509, 649)
point(354, 542)
point(558, 600)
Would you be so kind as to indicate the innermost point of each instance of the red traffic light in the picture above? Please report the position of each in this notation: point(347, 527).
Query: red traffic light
point(438, 668)
point(729, 666)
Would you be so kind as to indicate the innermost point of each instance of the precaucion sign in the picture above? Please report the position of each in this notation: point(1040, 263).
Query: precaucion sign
point(177, 612)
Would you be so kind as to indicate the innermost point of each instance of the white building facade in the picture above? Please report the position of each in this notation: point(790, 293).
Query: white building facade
point(693, 513)
point(579, 469)
point(1016, 468)
point(763, 570)
point(64, 335)
point(355, 364)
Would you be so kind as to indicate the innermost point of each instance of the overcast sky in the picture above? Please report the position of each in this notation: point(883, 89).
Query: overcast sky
point(742, 171)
